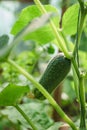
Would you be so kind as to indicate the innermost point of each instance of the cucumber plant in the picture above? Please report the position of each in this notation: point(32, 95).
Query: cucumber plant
point(46, 25)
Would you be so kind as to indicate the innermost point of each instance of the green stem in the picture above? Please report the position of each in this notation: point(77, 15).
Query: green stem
point(65, 39)
point(75, 67)
point(80, 28)
point(45, 93)
point(26, 117)
point(81, 5)
point(60, 41)
point(75, 78)
point(82, 104)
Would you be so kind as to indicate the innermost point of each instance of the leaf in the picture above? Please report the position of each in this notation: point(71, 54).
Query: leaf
point(11, 94)
point(30, 27)
point(3, 40)
point(69, 21)
point(37, 111)
point(35, 24)
point(42, 35)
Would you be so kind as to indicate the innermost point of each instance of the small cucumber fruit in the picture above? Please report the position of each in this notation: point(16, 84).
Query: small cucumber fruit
point(55, 72)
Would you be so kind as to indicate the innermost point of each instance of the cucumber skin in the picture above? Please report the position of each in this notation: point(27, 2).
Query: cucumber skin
point(54, 74)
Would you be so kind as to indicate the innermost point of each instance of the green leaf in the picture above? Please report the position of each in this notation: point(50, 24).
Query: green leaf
point(42, 35)
point(3, 41)
point(37, 111)
point(11, 94)
point(35, 24)
point(30, 27)
point(70, 17)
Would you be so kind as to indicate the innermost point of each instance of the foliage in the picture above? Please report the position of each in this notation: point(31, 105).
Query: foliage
point(36, 36)
point(10, 95)
point(26, 16)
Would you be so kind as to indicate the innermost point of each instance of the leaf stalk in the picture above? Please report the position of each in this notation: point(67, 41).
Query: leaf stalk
point(26, 117)
point(45, 93)
point(60, 41)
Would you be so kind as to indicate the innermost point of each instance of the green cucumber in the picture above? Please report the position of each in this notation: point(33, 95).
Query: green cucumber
point(54, 74)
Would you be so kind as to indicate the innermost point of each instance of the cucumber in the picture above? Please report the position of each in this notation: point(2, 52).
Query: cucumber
point(54, 74)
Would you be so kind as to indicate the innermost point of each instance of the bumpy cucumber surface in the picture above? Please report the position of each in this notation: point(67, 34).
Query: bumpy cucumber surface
point(54, 74)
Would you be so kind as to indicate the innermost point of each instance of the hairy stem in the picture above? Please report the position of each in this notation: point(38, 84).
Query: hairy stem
point(81, 2)
point(81, 89)
point(60, 41)
point(76, 81)
point(26, 117)
point(45, 93)
point(75, 67)
point(79, 31)
point(82, 104)
point(81, 26)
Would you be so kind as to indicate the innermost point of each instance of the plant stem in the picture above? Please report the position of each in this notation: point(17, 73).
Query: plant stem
point(76, 82)
point(60, 41)
point(81, 89)
point(82, 104)
point(26, 117)
point(81, 5)
point(45, 93)
point(65, 39)
point(75, 67)
point(80, 27)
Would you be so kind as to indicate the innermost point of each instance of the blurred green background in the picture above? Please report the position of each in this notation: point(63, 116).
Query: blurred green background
point(34, 58)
